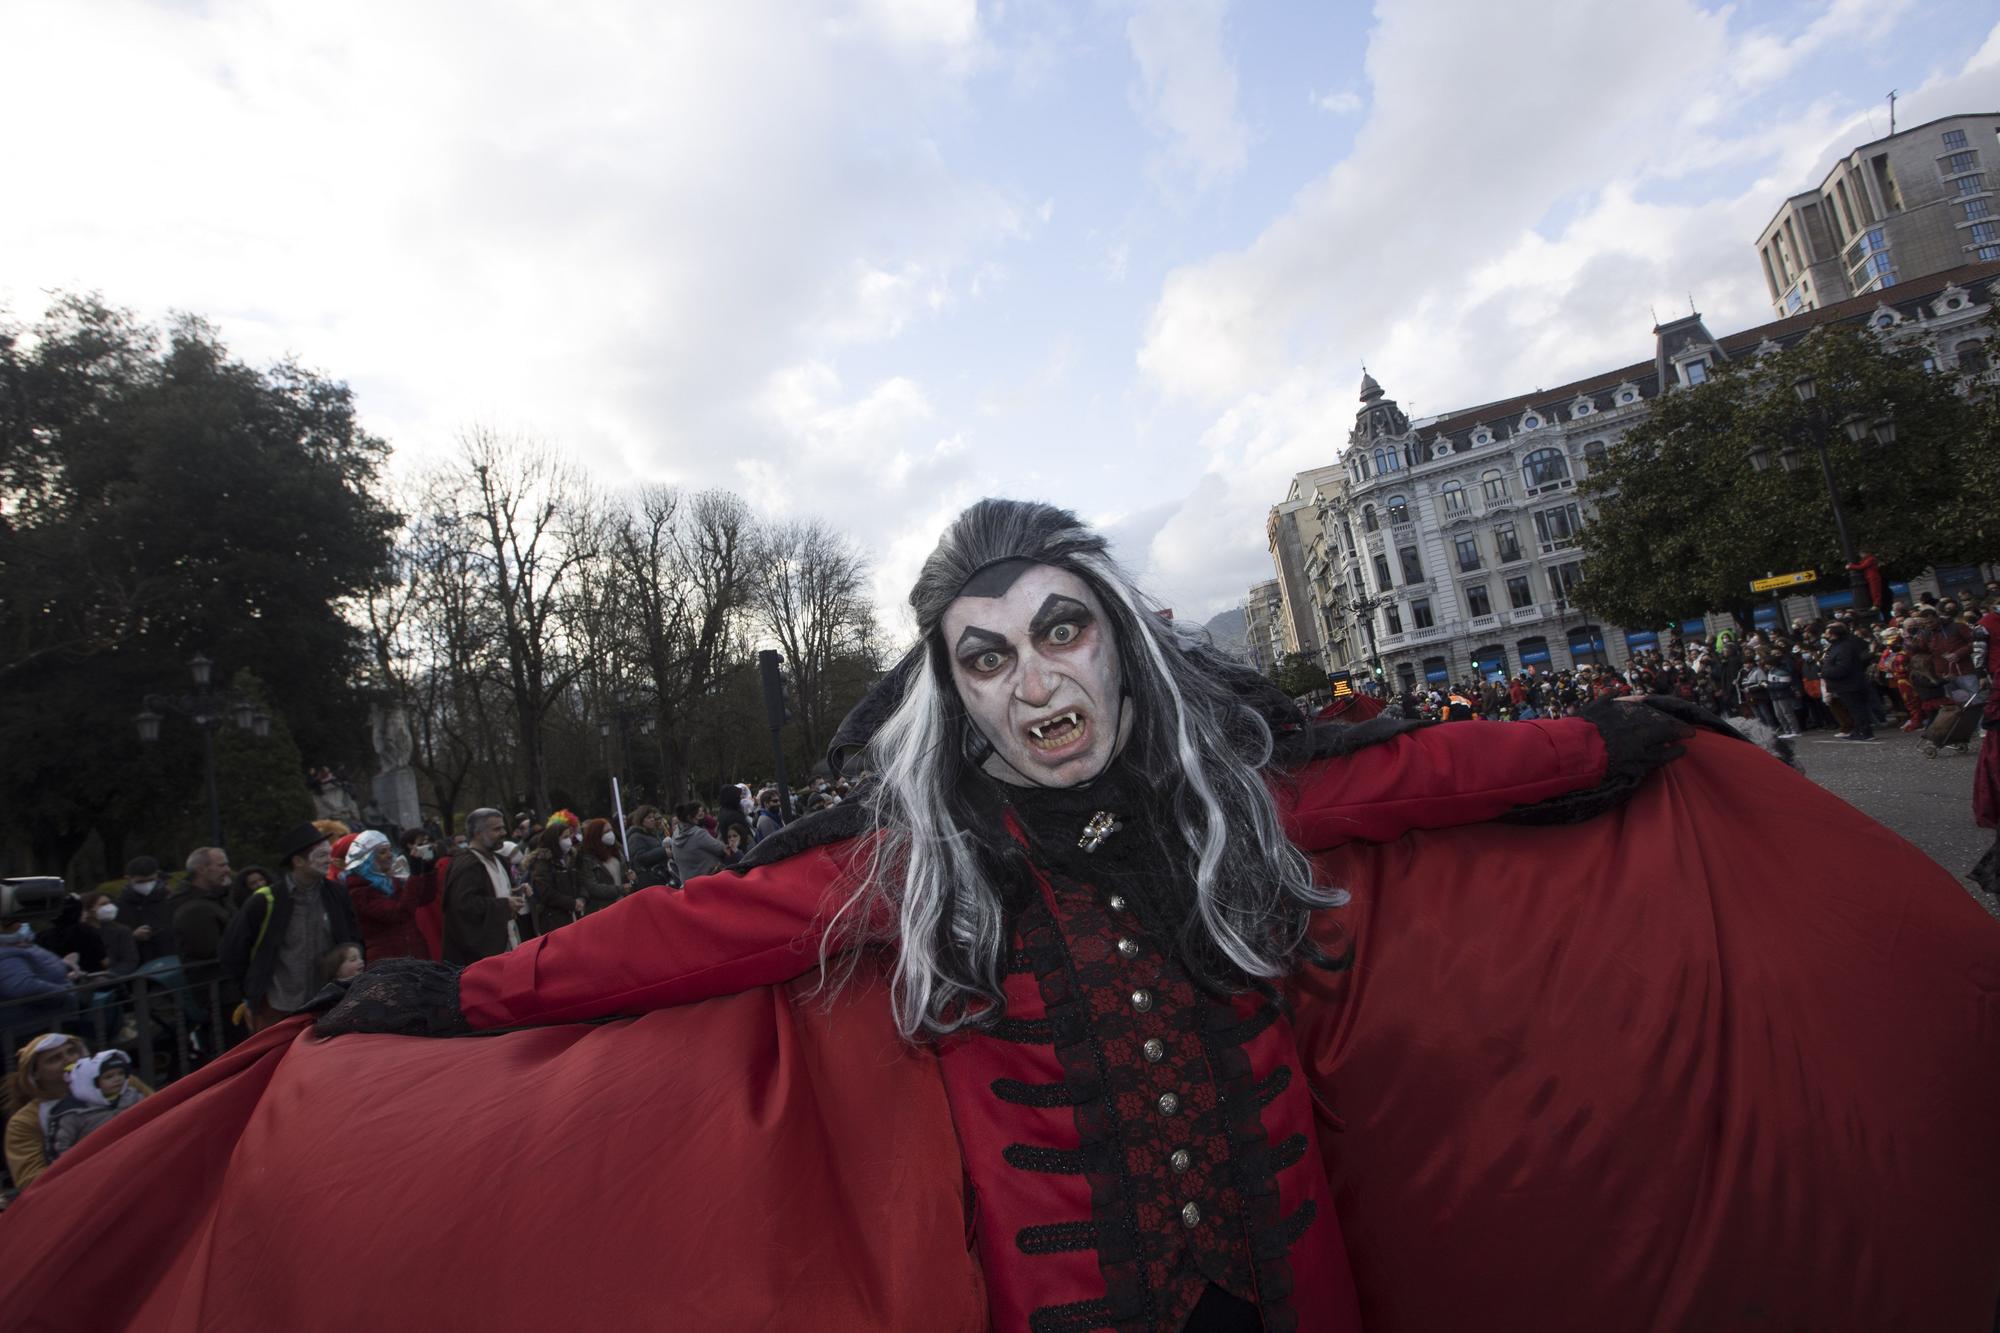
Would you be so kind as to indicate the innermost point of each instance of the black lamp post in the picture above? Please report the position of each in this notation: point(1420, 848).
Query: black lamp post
point(206, 707)
point(1365, 608)
point(1819, 434)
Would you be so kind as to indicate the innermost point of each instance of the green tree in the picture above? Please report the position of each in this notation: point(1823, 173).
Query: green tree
point(163, 499)
point(1684, 522)
point(1298, 675)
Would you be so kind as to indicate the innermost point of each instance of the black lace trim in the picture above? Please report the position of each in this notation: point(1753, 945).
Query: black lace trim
point(1251, 1159)
point(1026, 1031)
point(1242, 1032)
point(1031, 1094)
point(1076, 1317)
point(1638, 738)
point(1128, 1297)
point(1049, 1161)
point(1057, 1238)
point(1295, 1225)
point(1268, 1089)
point(1289, 1153)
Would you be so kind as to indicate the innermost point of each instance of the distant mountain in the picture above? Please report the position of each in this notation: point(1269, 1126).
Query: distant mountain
point(1229, 633)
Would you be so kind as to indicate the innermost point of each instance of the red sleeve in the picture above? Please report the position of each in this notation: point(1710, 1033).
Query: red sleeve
point(1436, 777)
point(375, 907)
point(721, 934)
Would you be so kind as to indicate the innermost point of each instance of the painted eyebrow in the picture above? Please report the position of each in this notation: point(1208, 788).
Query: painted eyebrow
point(1057, 609)
point(975, 637)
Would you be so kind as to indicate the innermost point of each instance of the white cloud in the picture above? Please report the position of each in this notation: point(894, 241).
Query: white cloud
point(1343, 103)
point(1188, 86)
point(1429, 252)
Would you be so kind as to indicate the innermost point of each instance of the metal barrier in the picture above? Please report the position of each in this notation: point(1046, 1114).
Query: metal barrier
point(168, 1031)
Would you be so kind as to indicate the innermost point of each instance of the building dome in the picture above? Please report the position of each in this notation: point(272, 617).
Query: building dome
point(1370, 390)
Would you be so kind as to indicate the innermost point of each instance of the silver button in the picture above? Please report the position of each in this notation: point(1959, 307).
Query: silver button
point(1170, 1103)
point(1117, 902)
point(1190, 1214)
point(1181, 1160)
point(1129, 948)
point(1154, 1050)
point(1142, 1000)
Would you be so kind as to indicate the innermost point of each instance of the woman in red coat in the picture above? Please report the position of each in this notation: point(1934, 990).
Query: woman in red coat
point(385, 905)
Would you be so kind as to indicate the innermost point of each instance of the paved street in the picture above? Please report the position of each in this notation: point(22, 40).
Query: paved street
point(1928, 801)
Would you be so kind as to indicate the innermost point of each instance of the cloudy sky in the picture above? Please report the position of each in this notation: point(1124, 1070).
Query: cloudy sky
point(875, 258)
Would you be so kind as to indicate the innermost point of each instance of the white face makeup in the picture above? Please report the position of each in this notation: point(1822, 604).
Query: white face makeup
point(1037, 668)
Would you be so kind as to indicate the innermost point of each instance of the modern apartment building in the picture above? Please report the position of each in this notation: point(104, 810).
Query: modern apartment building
point(1448, 547)
point(1919, 202)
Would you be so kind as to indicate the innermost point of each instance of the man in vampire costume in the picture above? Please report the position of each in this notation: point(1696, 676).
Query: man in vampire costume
point(1123, 997)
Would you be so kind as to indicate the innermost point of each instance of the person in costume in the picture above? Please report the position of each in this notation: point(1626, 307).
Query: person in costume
point(1123, 997)
point(100, 1086)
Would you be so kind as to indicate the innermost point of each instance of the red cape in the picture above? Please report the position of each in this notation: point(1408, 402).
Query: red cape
point(1721, 1059)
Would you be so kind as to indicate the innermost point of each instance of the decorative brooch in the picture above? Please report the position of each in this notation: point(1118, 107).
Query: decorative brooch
point(1101, 826)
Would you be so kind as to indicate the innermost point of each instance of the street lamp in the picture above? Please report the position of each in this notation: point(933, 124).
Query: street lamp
point(1365, 608)
point(1819, 434)
point(205, 708)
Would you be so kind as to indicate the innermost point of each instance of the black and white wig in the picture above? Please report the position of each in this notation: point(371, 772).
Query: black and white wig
point(945, 880)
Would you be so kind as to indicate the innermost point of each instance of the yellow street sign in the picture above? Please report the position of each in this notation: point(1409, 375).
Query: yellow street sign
point(1777, 581)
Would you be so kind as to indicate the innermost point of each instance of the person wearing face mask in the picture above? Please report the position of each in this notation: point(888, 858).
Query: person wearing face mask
point(34, 983)
point(275, 944)
point(601, 875)
point(385, 905)
point(147, 908)
point(696, 851)
point(116, 946)
point(552, 878)
point(651, 862)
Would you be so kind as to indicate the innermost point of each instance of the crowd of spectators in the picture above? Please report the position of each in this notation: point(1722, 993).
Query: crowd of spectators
point(1842, 675)
point(224, 952)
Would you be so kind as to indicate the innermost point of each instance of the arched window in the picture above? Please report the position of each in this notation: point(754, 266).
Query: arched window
point(1972, 357)
point(1386, 460)
point(1454, 499)
point(1586, 644)
point(1593, 455)
point(1544, 467)
point(1368, 523)
point(1361, 472)
point(1493, 485)
point(1399, 509)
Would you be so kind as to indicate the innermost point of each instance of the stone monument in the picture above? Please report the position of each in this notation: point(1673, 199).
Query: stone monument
point(395, 786)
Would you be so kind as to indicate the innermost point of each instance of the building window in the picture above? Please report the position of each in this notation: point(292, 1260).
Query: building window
point(1393, 614)
point(1387, 460)
point(1988, 253)
point(1986, 233)
point(1954, 139)
point(1407, 674)
point(1556, 529)
point(1544, 467)
point(1533, 652)
point(1975, 184)
point(1593, 455)
point(1960, 163)
point(1490, 662)
point(1562, 583)
point(1420, 613)
point(1455, 502)
point(1477, 602)
point(1530, 421)
point(1976, 209)
point(1468, 552)
point(1506, 543)
point(1436, 670)
point(1399, 509)
point(1494, 484)
point(1368, 523)
point(1413, 570)
point(1381, 572)
point(1695, 372)
point(1586, 644)
point(1627, 396)
point(1519, 595)
point(1972, 358)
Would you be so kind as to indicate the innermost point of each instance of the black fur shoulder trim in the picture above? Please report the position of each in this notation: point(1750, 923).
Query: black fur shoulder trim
point(1638, 738)
point(836, 823)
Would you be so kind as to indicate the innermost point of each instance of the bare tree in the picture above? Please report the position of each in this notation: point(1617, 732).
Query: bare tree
point(529, 536)
point(812, 598)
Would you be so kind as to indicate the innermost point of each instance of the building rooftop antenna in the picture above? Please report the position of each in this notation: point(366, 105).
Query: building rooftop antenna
point(1892, 111)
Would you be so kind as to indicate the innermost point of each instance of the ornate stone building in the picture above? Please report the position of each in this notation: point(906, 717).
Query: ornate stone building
point(1448, 547)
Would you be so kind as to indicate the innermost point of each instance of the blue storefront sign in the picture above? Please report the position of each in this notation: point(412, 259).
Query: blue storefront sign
point(1436, 670)
point(1835, 601)
point(1534, 652)
point(1765, 617)
point(1641, 640)
point(1586, 644)
point(1697, 628)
